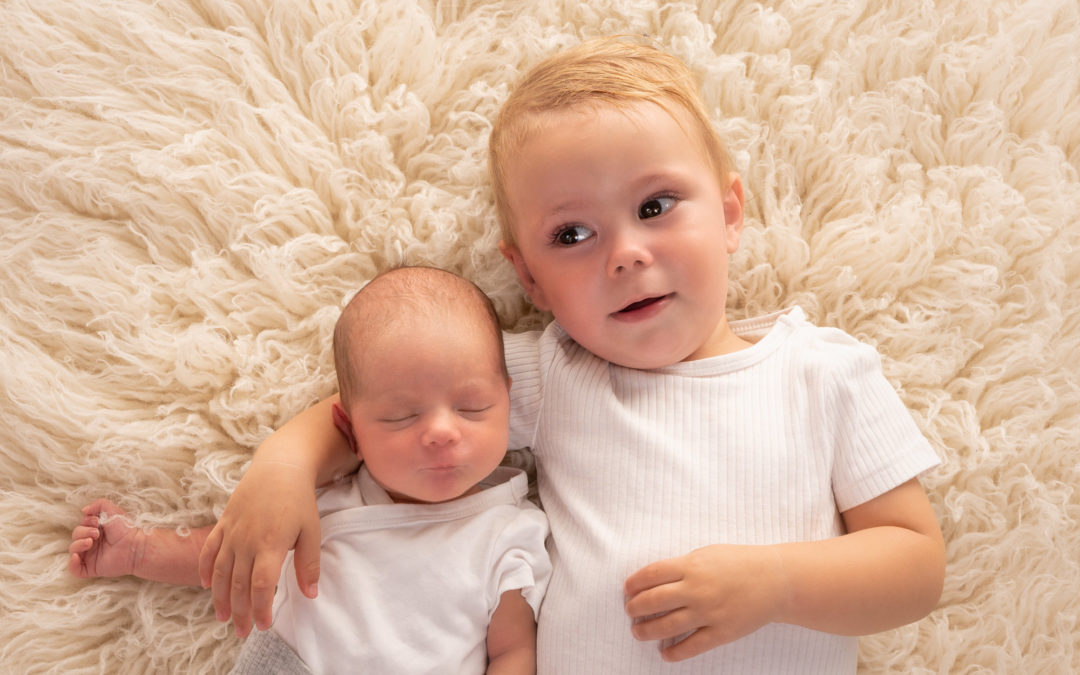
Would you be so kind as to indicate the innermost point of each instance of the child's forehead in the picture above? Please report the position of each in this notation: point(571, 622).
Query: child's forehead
point(639, 113)
point(633, 109)
point(402, 378)
point(652, 125)
point(434, 326)
point(395, 344)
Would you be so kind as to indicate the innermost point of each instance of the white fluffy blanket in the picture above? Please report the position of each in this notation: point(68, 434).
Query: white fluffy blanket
point(190, 189)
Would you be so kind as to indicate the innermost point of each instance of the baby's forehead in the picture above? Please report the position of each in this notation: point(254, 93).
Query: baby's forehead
point(406, 328)
point(392, 312)
point(460, 355)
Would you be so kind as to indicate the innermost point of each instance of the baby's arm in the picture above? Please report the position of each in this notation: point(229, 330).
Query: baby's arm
point(511, 636)
point(887, 571)
point(106, 544)
point(271, 511)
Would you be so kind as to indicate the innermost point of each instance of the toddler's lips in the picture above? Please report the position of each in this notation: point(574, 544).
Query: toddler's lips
point(642, 308)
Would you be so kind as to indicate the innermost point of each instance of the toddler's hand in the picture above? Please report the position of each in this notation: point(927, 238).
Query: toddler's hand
point(713, 595)
point(269, 513)
point(104, 544)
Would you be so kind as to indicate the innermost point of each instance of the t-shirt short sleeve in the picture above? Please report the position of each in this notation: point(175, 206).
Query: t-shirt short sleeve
point(520, 559)
point(878, 445)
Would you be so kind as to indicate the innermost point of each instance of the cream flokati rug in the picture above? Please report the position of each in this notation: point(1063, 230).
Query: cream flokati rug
point(190, 189)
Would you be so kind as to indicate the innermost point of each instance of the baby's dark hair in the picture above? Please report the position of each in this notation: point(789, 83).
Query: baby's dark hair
point(391, 299)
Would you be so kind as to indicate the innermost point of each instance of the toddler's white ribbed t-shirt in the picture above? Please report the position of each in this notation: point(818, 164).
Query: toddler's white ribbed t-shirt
point(766, 445)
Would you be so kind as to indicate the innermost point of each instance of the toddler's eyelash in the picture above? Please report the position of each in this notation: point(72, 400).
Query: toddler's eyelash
point(664, 195)
point(555, 238)
point(655, 199)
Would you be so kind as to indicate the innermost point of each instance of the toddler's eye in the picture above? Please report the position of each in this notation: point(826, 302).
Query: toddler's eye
point(570, 235)
point(655, 207)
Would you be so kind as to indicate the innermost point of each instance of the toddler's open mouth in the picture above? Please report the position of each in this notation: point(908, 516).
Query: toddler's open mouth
point(641, 304)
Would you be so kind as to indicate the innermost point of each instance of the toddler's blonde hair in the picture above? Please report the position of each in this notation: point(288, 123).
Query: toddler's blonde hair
point(618, 71)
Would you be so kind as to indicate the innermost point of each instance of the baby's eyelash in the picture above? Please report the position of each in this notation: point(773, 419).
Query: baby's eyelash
point(395, 419)
point(476, 409)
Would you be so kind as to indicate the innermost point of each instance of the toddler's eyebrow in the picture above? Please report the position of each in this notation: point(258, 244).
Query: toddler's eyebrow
point(568, 206)
point(656, 177)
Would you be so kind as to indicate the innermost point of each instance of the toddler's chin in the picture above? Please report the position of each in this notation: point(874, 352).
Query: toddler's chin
point(638, 361)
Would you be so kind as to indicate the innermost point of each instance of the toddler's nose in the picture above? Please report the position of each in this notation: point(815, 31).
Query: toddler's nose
point(628, 250)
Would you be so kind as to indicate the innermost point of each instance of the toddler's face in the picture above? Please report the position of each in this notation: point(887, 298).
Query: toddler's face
point(623, 230)
point(432, 417)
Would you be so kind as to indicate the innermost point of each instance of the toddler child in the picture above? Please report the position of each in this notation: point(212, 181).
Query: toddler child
point(740, 497)
point(433, 558)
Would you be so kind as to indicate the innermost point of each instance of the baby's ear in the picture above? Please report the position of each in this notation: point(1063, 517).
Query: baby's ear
point(344, 425)
point(535, 293)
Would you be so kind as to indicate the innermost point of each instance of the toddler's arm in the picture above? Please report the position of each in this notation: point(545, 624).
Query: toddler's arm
point(887, 571)
point(106, 544)
point(271, 511)
point(511, 637)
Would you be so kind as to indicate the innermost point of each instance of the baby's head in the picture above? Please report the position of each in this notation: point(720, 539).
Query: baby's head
point(611, 71)
point(618, 205)
point(423, 383)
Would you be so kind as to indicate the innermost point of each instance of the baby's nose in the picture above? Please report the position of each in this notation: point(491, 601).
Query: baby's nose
point(441, 429)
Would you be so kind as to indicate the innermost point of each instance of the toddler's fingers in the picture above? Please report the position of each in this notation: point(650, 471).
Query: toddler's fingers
point(651, 576)
point(306, 558)
point(208, 556)
point(663, 626)
point(699, 642)
point(264, 578)
point(240, 595)
point(221, 585)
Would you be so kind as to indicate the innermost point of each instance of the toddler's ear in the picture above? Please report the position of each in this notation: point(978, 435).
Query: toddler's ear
point(536, 294)
point(733, 211)
point(344, 425)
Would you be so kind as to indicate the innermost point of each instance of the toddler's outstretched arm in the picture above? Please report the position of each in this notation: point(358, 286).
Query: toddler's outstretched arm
point(887, 571)
point(273, 510)
point(106, 544)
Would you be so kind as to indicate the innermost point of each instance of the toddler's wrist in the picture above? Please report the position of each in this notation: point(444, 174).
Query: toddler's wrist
point(784, 586)
point(285, 470)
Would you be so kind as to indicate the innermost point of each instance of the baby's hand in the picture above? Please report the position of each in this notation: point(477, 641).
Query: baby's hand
point(104, 544)
point(713, 595)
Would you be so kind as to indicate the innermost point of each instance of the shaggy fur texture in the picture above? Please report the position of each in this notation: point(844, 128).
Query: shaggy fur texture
point(190, 190)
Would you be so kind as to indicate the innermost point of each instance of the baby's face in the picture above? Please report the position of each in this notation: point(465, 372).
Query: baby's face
point(623, 230)
point(432, 417)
